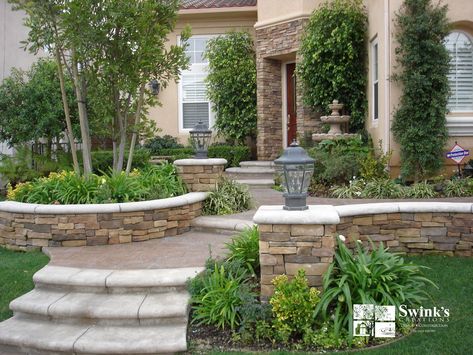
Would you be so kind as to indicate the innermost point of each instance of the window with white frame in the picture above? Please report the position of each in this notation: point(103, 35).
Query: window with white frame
point(460, 76)
point(193, 101)
point(375, 79)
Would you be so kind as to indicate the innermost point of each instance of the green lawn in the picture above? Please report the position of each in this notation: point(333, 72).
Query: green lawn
point(454, 276)
point(16, 272)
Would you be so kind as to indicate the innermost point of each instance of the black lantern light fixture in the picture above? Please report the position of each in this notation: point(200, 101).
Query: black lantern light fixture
point(154, 87)
point(295, 168)
point(200, 137)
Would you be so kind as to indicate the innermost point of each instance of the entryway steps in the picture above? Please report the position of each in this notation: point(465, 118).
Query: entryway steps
point(221, 225)
point(253, 173)
point(95, 311)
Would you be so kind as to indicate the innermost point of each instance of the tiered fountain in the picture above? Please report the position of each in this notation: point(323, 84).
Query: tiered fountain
point(334, 120)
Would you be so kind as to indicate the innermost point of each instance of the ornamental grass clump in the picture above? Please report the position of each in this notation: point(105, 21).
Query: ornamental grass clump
point(368, 276)
point(245, 248)
point(228, 197)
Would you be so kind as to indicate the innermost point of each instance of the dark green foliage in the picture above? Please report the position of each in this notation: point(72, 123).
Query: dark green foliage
point(337, 161)
point(234, 154)
point(16, 273)
point(158, 143)
point(333, 64)
point(419, 121)
point(228, 197)
point(245, 248)
point(31, 105)
point(218, 294)
point(153, 182)
point(368, 277)
point(231, 84)
point(102, 160)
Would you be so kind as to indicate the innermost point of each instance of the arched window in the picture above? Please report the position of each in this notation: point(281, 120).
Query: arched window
point(460, 77)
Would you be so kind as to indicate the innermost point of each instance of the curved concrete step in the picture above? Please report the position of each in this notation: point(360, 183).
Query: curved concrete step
point(47, 337)
point(93, 308)
point(250, 173)
point(114, 281)
point(257, 183)
point(220, 225)
point(257, 164)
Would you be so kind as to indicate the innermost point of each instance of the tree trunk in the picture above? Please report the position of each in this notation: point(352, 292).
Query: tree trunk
point(83, 119)
point(135, 133)
point(67, 115)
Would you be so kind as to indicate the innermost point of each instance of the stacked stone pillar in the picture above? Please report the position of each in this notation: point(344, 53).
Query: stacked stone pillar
point(293, 240)
point(200, 175)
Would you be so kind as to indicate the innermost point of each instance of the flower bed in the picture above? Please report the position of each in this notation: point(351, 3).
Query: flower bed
point(26, 225)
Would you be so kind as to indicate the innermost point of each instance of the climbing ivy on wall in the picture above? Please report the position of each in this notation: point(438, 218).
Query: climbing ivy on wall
point(423, 61)
point(333, 58)
point(231, 84)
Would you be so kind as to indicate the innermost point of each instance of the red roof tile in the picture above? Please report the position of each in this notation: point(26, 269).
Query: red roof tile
point(206, 4)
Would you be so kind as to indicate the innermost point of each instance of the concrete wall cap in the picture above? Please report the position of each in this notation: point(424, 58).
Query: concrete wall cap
point(19, 207)
point(314, 215)
point(434, 206)
point(199, 162)
point(367, 208)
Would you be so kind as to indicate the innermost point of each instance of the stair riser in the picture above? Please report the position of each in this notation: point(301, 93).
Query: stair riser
point(14, 350)
point(110, 290)
point(229, 232)
point(249, 176)
point(104, 321)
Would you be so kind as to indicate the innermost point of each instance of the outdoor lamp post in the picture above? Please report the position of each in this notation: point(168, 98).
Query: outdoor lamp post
point(295, 168)
point(200, 137)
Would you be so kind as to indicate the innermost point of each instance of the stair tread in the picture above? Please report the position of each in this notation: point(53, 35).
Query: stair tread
point(98, 339)
point(250, 170)
point(261, 163)
point(69, 276)
point(102, 306)
point(233, 224)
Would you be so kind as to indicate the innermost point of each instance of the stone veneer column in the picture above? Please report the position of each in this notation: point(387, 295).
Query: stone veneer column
point(200, 175)
point(292, 240)
point(275, 44)
point(269, 125)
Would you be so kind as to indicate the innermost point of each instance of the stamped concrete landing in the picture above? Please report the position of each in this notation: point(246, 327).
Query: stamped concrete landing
point(190, 249)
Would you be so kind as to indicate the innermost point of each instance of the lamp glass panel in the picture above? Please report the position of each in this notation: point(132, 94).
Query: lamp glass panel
point(295, 178)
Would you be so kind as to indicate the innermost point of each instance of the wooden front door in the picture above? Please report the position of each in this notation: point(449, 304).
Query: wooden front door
point(291, 103)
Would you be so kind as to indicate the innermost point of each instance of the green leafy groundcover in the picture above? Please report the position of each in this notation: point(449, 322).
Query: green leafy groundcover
point(251, 325)
point(153, 182)
point(16, 273)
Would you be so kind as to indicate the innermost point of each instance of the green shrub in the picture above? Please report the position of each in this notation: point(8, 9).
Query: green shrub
point(218, 294)
point(420, 190)
point(161, 182)
point(382, 188)
point(338, 161)
point(69, 188)
point(333, 58)
point(231, 84)
point(374, 165)
point(234, 154)
point(154, 145)
point(228, 197)
point(419, 124)
point(245, 248)
point(368, 277)
point(458, 187)
point(293, 305)
point(102, 160)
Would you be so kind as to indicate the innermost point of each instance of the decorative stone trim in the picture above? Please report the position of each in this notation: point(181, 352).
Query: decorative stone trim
point(200, 174)
point(292, 240)
point(27, 226)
